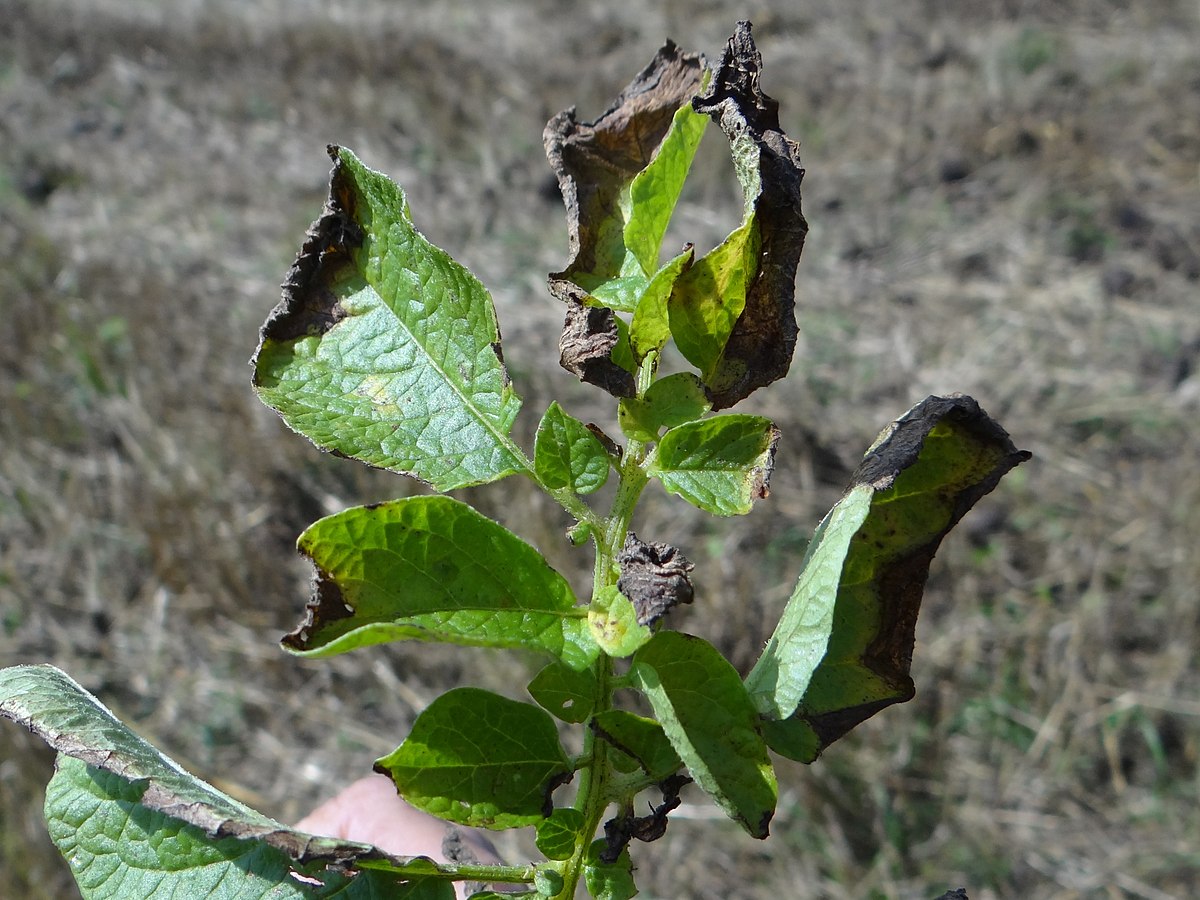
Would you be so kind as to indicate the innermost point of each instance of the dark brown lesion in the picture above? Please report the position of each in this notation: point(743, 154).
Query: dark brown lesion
point(326, 605)
point(310, 305)
point(588, 337)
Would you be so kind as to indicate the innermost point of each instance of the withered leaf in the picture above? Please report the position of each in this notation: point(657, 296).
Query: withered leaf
point(759, 349)
point(594, 161)
point(585, 348)
point(655, 578)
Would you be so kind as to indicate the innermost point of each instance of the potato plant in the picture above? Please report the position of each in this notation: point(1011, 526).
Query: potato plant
point(387, 351)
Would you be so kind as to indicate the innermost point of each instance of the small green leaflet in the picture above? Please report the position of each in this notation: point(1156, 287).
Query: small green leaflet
point(479, 759)
point(721, 465)
point(132, 823)
point(384, 348)
point(704, 709)
point(667, 403)
point(865, 572)
point(556, 835)
point(613, 623)
point(433, 569)
point(567, 455)
point(608, 880)
point(564, 692)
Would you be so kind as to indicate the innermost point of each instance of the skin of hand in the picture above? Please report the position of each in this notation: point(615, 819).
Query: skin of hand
point(371, 812)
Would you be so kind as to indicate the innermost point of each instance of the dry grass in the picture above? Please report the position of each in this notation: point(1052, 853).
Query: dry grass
point(1001, 204)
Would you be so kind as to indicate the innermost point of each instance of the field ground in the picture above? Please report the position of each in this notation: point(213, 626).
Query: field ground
point(1003, 199)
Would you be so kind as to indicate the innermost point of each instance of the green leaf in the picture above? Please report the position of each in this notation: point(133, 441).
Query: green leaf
point(721, 465)
point(707, 300)
point(669, 402)
point(613, 623)
point(711, 722)
point(732, 313)
point(650, 329)
point(620, 177)
point(641, 740)
point(433, 569)
point(567, 455)
point(608, 880)
point(564, 692)
point(781, 675)
point(556, 835)
point(132, 823)
point(655, 190)
point(919, 478)
point(479, 759)
point(384, 348)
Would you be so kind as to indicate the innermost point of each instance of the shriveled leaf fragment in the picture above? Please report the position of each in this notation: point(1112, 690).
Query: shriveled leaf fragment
point(597, 162)
point(564, 692)
point(433, 569)
point(712, 723)
point(479, 759)
point(133, 823)
point(384, 348)
point(626, 826)
point(741, 350)
point(921, 477)
point(722, 464)
point(587, 347)
point(640, 740)
point(568, 455)
point(655, 577)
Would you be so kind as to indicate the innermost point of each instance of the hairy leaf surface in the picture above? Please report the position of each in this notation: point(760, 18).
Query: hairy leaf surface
point(567, 455)
point(921, 476)
point(479, 759)
point(433, 569)
point(384, 348)
point(704, 709)
point(722, 465)
point(132, 823)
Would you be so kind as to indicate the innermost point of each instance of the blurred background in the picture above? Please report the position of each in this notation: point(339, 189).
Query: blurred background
point(1003, 198)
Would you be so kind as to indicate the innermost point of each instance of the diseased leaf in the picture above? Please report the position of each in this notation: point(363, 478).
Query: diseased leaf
point(639, 739)
point(597, 162)
point(589, 348)
point(668, 402)
point(433, 569)
point(384, 348)
point(762, 253)
point(614, 623)
point(567, 455)
point(704, 709)
point(479, 759)
point(132, 823)
point(722, 465)
point(781, 675)
point(921, 476)
point(655, 577)
point(556, 835)
point(564, 692)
